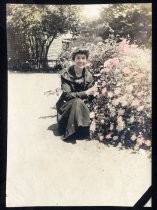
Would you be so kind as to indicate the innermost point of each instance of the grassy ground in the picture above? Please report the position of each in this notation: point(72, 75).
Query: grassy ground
point(42, 170)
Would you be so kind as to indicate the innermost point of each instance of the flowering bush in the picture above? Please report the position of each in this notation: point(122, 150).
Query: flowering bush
point(121, 112)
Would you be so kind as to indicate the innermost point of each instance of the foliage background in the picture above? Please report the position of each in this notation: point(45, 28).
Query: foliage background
point(31, 35)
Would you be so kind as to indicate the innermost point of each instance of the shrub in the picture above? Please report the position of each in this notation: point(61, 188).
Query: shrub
point(121, 111)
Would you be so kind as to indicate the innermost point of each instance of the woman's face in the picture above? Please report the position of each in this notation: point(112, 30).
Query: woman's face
point(80, 60)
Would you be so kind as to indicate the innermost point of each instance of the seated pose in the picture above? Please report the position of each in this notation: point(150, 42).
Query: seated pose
point(77, 85)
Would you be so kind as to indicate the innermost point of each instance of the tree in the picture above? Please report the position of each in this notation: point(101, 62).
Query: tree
point(131, 21)
point(37, 27)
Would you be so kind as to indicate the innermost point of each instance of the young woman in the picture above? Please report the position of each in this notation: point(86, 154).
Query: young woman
point(77, 85)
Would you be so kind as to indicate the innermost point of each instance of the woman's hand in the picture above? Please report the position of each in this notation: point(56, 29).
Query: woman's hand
point(92, 91)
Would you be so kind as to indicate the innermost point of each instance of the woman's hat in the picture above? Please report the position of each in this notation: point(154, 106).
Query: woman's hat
point(78, 50)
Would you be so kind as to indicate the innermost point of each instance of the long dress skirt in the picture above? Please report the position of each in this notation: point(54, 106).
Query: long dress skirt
point(74, 114)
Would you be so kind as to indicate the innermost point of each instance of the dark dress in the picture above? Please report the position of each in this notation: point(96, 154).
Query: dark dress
point(72, 112)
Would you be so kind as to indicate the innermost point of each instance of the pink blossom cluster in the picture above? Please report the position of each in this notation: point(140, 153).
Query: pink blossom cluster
point(121, 112)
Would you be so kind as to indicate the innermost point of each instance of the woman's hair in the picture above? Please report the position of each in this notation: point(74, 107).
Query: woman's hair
point(79, 51)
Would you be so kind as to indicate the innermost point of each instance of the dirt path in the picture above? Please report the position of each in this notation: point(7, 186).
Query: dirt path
point(42, 170)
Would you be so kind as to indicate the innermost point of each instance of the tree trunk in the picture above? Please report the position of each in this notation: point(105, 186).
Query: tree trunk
point(41, 52)
point(43, 46)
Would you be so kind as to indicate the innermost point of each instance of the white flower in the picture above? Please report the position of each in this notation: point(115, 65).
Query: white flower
point(121, 124)
point(133, 137)
point(108, 136)
point(130, 97)
point(107, 63)
point(121, 111)
point(100, 44)
point(102, 121)
point(119, 84)
point(115, 102)
point(129, 88)
point(110, 94)
point(148, 143)
point(111, 126)
point(116, 71)
point(93, 126)
point(115, 138)
point(140, 108)
point(113, 114)
point(120, 127)
point(101, 137)
point(120, 119)
point(132, 119)
point(92, 115)
point(124, 103)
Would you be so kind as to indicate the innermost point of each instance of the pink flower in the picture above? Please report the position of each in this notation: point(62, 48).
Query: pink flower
point(148, 143)
point(120, 119)
point(115, 102)
point(104, 91)
point(140, 94)
point(134, 73)
point(117, 91)
point(135, 102)
point(101, 137)
point(93, 126)
point(123, 47)
point(103, 84)
point(115, 61)
point(108, 136)
point(140, 140)
point(140, 76)
point(126, 70)
point(108, 63)
point(92, 115)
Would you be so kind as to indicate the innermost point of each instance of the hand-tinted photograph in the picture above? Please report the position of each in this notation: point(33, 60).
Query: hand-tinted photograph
point(79, 104)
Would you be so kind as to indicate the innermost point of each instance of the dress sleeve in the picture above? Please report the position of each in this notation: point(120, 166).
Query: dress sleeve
point(68, 94)
point(90, 84)
point(90, 81)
